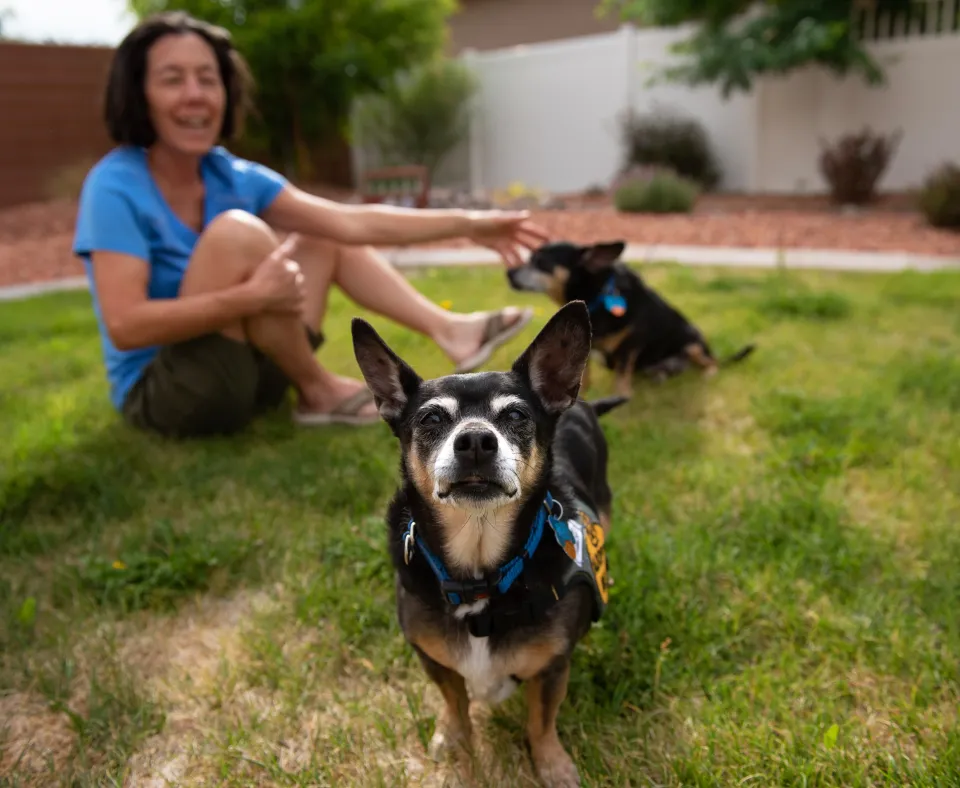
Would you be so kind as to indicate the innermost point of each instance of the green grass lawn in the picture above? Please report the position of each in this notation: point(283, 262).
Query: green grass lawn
point(785, 548)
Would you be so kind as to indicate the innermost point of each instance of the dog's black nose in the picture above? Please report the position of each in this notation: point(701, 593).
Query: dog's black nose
point(476, 445)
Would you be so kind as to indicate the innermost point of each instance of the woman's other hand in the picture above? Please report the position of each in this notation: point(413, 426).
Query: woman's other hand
point(505, 232)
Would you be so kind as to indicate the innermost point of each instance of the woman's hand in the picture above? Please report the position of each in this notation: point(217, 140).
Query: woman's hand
point(505, 232)
point(277, 282)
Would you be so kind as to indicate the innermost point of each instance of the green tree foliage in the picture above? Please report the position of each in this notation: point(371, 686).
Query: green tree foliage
point(421, 116)
point(312, 58)
point(736, 41)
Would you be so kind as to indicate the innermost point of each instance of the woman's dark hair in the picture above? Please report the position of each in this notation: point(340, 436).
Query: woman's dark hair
point(126, 111)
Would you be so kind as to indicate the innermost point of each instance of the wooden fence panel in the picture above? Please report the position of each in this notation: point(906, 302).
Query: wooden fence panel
point(50, 115)
point(51, 122)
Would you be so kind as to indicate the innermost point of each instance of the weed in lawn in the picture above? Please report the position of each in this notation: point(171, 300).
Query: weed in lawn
point(782, 303)
point(63, 475)
point(830, 435)
point(778, 295)
point(157, 570)
point(733, 284)
point(933, 376)
point(940, 289)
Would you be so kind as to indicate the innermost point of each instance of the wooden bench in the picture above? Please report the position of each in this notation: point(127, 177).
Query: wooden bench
point(407, 186)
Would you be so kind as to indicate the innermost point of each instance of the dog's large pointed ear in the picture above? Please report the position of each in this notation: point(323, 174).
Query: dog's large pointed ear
point(553, 363)
point(389, 377)
point(601, 256)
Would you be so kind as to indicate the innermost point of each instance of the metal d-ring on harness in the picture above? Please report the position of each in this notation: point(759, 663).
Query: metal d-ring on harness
point(539, 599)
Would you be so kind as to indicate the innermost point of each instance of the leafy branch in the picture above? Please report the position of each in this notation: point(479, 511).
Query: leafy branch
point(736, 41)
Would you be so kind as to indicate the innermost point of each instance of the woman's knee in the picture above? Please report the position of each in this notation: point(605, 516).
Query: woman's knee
point(228, 251)
point(239, 235)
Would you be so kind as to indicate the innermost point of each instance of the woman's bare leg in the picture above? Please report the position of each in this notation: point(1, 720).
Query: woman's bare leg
point(235, 243)
point(369, 279)
point(228, 252)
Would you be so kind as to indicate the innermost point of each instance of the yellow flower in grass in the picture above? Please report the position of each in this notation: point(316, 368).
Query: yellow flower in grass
point(119, 565)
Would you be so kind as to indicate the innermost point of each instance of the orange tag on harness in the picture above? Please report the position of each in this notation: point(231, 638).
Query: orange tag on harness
point(598, 557)
point(616, 305)
point(590, 535)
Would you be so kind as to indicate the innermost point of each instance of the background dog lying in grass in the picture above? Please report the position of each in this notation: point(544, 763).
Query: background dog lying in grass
point(634, 329)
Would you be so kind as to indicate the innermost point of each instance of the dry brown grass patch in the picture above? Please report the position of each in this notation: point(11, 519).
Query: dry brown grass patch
point(34, 741)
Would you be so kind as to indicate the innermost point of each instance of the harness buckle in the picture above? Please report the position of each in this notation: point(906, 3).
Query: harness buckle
point(467, 591)
point(409, 544)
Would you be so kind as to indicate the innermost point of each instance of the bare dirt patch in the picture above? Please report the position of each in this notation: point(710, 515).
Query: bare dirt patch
point(179, 660)
point(202, 666)
point(34, 741)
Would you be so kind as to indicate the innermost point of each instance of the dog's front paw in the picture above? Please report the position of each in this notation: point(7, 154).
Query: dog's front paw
point(555, 767)
point(446, 739)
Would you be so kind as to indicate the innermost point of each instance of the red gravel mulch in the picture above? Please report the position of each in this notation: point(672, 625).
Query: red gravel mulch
point(35, 239)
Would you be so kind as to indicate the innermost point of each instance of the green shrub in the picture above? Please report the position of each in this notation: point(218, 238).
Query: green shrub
point(666, 140)
point(940, 197)
point(420, 117)
point(659, 191)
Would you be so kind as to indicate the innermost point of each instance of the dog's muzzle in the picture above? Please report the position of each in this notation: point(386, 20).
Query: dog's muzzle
point(527, 279)
point(475, 471)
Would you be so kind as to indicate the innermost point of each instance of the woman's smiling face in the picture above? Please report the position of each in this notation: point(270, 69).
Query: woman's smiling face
point(185, 93)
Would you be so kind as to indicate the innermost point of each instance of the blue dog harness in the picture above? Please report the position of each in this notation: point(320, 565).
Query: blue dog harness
point(582, 541)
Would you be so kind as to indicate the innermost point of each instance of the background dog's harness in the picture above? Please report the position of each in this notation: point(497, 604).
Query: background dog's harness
point(609, 299)
point(581, 538)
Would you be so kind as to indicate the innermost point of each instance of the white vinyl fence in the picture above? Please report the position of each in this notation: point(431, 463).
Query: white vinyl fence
point(548, 114)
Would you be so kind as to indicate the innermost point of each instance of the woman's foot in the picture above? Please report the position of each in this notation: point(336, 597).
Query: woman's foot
point(470, 339)
point(336, 400)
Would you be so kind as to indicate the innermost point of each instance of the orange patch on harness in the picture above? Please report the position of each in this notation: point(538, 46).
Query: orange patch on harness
point(597, 551)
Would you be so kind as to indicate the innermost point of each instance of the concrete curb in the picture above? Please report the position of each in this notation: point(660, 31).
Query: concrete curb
point(721, 256)
point(19, 292)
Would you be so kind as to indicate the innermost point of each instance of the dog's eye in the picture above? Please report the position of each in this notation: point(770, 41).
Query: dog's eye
point(431, 419)
point(515, 414)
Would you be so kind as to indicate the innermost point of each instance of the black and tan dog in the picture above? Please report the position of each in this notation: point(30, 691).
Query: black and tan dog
point(497, 531)
point(635, 330)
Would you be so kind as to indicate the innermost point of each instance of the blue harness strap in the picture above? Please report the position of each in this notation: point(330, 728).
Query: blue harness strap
point(585, 550)
point(466, 592)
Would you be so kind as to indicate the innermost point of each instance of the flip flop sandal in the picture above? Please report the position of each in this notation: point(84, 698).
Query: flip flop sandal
point(495, 333)
point(344, 413)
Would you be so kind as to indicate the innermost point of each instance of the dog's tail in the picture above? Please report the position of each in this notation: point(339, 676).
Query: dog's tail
point(606, 404)
point(740, 355)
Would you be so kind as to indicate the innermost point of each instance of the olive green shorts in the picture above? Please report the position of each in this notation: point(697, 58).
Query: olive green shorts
point(211, 385)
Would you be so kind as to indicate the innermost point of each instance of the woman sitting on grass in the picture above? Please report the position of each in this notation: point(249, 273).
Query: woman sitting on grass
point(205, 318)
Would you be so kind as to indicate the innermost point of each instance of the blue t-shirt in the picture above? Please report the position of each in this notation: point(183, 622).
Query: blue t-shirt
point(122, 210)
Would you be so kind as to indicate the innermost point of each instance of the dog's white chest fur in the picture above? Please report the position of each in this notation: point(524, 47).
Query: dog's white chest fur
point(477, 669)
